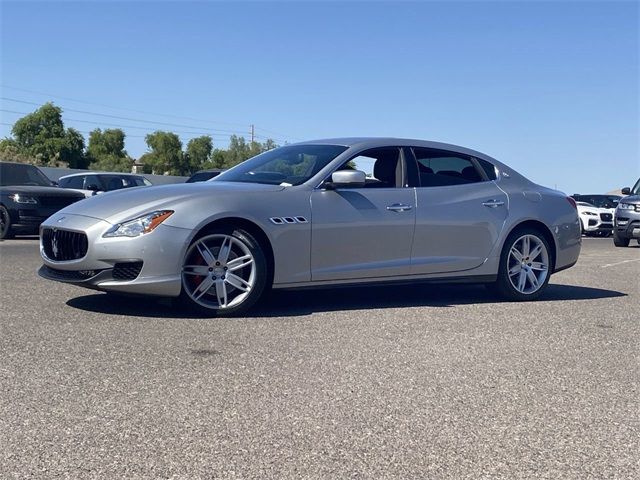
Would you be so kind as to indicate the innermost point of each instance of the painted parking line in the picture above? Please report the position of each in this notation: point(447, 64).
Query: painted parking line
point(620, 263)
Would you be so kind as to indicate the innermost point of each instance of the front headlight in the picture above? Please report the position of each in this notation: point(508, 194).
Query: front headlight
point(625, 206)
point(590, 213)
point(18, 198)
point(138, 226)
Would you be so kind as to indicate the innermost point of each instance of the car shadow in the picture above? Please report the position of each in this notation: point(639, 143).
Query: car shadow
point(307, 302)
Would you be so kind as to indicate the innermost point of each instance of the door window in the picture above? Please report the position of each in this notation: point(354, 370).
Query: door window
point(439, 168)
point(72, 182)
point(383, 167)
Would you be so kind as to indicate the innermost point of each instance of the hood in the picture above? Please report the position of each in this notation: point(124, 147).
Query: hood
point(630, 199)
point(120, 205)
point(39, 191)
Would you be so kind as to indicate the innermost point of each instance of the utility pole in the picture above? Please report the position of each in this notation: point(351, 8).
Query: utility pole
point(253, 132)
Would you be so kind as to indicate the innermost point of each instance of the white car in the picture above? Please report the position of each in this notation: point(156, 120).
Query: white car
point(91, 183)
point(595, 221)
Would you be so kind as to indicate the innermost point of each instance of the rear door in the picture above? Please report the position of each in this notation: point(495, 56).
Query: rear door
point(460, 212)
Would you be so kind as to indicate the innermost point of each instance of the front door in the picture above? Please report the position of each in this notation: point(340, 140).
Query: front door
point(364, 232)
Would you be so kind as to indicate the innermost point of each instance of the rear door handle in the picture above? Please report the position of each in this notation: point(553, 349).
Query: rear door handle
point(399, 207)
point(493, 203)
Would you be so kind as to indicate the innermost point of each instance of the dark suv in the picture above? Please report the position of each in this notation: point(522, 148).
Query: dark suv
point(28, 198)
point(627, 217)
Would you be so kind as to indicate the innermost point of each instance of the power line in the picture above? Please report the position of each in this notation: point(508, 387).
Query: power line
point(121, 108)
point(125, 118)
point(119, 126)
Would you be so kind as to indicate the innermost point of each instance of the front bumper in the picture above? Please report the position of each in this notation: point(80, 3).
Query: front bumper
point(628, 227)
point(149, 264)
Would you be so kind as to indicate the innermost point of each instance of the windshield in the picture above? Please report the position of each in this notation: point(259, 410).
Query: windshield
point(636, 188)
point(600, 201)
point(22, 174)
point(289, 165)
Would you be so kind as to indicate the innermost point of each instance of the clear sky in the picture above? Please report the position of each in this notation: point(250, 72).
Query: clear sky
point(550, 88)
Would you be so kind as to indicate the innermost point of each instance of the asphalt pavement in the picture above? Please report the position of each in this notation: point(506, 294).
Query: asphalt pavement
point(382, 382)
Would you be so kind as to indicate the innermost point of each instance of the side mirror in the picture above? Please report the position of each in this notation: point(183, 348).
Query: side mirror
point(54, 184)
point(626, 191)
point(346, 179)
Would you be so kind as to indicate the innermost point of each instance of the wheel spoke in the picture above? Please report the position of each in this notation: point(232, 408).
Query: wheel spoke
point(203, 288)
point(238, 282)
point(532, 279)
point(200, 270)
point(240, 262)
point(526, 246)
point(522, 280)
point(225, 249)
point(538, 266)
point(221, 293)
point(515, 269)
point(206, 254)
point(515, 253)
point(535, 252)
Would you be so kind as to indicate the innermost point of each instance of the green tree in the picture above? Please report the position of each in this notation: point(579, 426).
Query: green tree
point(166, 155)
point(106, 150)
point(42, 135)
point(240, 150)
point(198, 152)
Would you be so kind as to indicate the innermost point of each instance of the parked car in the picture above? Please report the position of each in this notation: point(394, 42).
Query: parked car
point(204, 175)
point(627, 217)
point(327, 212)
point(92, 183)
point(27, 198)
point(609, 202)
point(595, 221)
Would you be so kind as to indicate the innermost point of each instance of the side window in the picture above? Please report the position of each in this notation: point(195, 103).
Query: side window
point(488, 168)
point(439, 168)
point(383, 167)
point(72, 182)
point(92, 181)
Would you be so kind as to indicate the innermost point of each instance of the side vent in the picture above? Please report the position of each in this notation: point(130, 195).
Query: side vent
point(289, 220)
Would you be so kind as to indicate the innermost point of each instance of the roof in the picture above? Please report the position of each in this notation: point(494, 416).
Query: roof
point(90, 172)
point(373, 142)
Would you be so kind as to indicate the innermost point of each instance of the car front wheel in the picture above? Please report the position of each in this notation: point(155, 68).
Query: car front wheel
point(224, 273)
point(5, 224)
point(525, 266)
point(619, 241)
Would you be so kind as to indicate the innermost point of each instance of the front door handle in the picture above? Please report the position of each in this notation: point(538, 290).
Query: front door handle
point(399, 207)
point(493, 203)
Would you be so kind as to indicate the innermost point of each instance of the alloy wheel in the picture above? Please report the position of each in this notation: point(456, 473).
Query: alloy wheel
point(219, 271)
point(528, 264)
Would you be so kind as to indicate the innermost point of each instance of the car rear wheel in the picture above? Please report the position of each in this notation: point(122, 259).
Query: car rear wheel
point(619, 241)
point(224, 273)
point(525, 266)
point(6, 231)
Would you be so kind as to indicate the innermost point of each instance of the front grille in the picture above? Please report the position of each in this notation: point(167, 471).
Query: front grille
point(606, 217)
point(61, 245)
point(57, 201)
point(126, 270)
point(68, 275)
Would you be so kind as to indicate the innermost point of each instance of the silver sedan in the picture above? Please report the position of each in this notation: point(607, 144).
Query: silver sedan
point(327, 212)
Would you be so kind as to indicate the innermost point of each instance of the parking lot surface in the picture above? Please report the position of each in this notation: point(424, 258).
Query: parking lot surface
point(419, 381)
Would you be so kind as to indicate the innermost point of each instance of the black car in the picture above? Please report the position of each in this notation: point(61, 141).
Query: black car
point(27, 198)
point(204, 175)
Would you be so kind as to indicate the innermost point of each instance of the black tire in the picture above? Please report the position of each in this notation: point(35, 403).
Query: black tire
point(256, 274)
point(619, 241)
point(6, 231)
point(504, 286)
